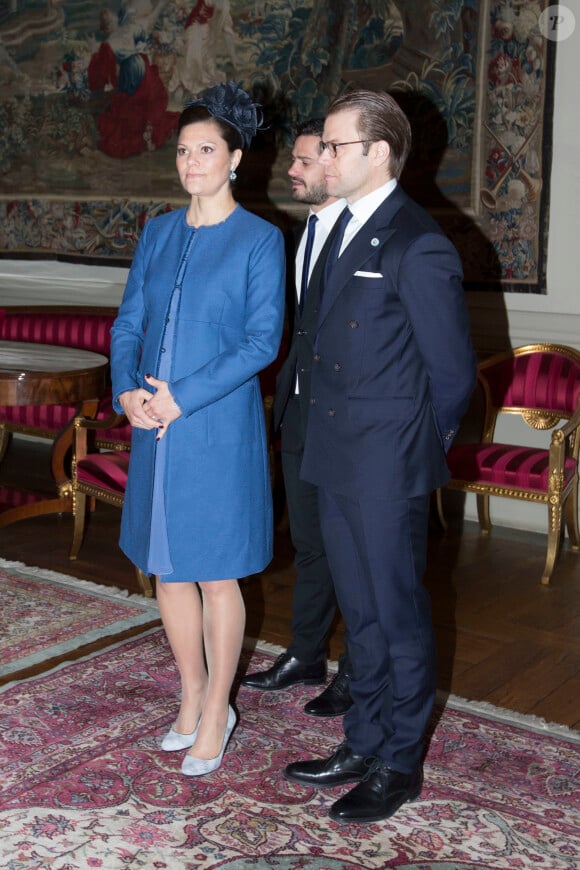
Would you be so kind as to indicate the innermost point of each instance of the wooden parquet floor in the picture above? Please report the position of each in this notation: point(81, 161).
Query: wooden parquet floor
point(501, 636)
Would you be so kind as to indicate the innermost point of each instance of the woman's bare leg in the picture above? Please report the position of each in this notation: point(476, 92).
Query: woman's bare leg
point(181, 613)
point(224, 619)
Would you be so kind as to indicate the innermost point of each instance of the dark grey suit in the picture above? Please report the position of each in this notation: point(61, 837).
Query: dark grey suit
point(314, 602)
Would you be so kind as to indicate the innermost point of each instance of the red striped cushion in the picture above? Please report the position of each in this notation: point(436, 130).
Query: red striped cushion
point(13, 498)
point(545, 381)
point(84, 330)
point(52, 418)
point(117, 433)
point(504, 465)
point(105, 470)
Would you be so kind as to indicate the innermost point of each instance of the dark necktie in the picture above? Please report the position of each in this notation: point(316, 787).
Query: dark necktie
point(336, 242)
point(307, 257)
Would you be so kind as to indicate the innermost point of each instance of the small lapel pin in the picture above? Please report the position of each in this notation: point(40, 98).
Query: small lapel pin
point(374, 242)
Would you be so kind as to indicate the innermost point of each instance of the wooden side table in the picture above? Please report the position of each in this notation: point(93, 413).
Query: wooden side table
point(41, 374)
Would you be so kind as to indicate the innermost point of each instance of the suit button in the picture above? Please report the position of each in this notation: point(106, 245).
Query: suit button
point(301, 332)
point(331, 412)
point(337, 367)
point(312, 401)
point(353, 324)
point(316, 357)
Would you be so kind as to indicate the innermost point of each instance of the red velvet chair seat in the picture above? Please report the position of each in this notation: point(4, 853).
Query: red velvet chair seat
point(106, 471)
point(49, 418)
point(505, 465)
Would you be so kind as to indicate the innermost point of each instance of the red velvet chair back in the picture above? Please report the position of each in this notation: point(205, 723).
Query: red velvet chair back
point(536, 379)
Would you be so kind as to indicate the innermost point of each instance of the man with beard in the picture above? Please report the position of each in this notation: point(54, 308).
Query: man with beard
point(314, 602)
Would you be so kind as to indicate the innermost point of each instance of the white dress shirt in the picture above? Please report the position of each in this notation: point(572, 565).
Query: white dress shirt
point(363, 208)
point(327, 217)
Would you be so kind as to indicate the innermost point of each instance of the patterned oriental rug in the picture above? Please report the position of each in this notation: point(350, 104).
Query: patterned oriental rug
point(84, 784)
point(46, 615)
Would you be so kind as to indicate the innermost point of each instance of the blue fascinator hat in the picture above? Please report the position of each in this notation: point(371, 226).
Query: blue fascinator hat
point(232, 105)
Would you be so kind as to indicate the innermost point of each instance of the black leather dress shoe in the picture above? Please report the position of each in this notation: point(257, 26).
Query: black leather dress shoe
point(334, 701)
point(286, 671)
point(342, 767)
point(379, 795)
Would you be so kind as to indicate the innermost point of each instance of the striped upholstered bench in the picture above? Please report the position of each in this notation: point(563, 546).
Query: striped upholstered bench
point(86, 329)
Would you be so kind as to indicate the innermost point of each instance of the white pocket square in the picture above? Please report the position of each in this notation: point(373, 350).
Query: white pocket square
point(368, 274)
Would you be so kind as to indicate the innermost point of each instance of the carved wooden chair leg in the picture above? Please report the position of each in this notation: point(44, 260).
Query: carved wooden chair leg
point(79, 515)
point(571, 517)
point(144, 583)
point(483, 513)
point(554, 541)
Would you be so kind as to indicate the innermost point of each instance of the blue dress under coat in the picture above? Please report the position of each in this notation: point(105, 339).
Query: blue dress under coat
point(227, 328)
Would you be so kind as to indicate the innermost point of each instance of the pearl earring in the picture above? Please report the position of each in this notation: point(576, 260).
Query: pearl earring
point(233, 175)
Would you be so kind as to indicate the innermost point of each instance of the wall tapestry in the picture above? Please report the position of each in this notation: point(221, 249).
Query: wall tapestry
point(90, 95)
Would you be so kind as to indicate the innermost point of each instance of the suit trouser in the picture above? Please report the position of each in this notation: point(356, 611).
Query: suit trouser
point(377, 554)
point(314, 600)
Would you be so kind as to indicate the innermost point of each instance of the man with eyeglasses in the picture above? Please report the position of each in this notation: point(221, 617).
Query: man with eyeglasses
point(314, 600)
point(393, 371)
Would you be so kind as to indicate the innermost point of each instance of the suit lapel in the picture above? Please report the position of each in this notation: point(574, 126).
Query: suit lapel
point(314, 284)
point(371, 237)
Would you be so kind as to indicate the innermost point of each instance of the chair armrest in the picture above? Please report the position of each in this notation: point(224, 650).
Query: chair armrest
point(568, 428)
point(558, 452)
point(112, 422)
point(85, 425)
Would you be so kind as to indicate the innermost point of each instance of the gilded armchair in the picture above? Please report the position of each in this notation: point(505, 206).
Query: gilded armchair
point(98, 476)
point(541, 384)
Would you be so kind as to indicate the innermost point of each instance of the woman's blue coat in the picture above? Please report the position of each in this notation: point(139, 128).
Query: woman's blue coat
point(228, 328)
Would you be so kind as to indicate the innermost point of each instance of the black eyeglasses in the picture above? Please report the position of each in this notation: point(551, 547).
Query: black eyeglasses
point(332, 146)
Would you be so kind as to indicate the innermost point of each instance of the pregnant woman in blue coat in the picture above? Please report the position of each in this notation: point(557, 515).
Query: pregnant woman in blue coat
point(201, 317)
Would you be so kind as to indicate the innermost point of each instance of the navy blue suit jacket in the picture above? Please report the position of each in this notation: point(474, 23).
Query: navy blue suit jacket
point(303, 326)
point(393, 366)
